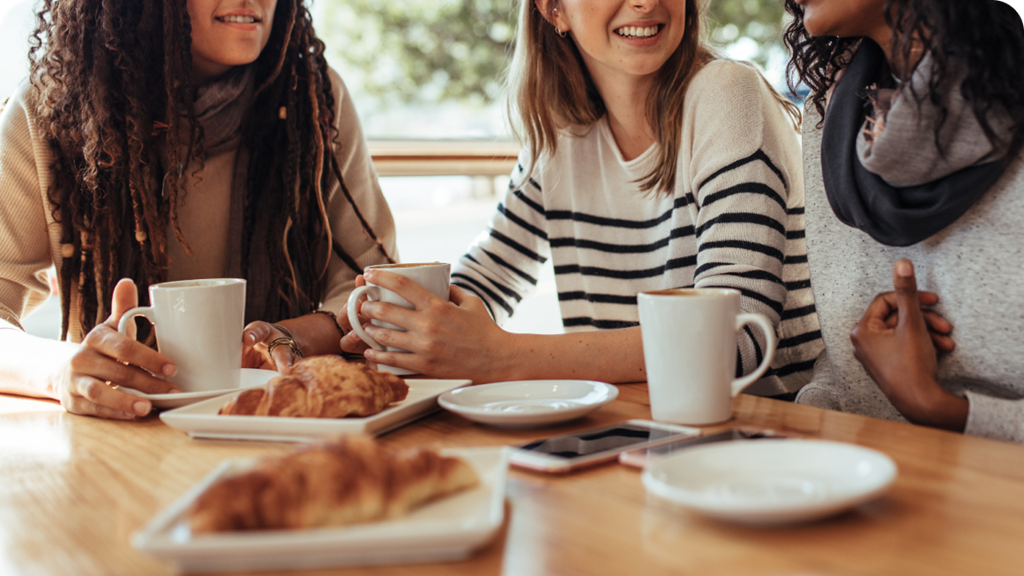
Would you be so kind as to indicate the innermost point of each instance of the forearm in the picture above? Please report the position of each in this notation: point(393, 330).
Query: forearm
point(28, 363)
point(934, 406)
point(315, 334)
point(614, 356)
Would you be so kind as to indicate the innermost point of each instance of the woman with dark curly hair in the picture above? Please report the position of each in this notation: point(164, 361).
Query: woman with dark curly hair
point(912, 152)
point(174, 140)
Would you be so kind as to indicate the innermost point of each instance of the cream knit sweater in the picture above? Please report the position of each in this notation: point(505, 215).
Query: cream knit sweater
point(30, 238)
point(733, 220)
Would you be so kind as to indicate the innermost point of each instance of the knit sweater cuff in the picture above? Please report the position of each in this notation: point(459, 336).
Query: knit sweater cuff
point(996, 418)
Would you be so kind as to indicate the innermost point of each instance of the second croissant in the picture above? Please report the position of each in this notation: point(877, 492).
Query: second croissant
point(321, 387)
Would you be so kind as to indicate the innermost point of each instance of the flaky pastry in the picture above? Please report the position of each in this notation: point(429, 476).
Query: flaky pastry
point(321, 387)
point(354, 479)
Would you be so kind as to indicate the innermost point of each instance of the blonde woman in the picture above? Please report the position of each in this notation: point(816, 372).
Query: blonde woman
point(648, 163)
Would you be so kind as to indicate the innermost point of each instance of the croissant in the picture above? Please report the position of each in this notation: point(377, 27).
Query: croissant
point(321, 387)
point(351, 480)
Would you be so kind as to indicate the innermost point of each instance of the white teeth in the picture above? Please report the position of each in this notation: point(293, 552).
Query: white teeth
point(238, 19)
point(637, 32)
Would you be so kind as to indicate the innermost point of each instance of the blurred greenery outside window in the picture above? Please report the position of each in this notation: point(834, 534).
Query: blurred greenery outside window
point(434, 69)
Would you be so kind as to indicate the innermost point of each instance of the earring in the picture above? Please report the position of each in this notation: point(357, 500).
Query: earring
point(560, 32)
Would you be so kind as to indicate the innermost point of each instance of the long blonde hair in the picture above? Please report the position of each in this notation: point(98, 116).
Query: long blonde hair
point(550, 89)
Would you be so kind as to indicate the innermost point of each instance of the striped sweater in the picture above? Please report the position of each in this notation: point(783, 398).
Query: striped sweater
point(734, 219)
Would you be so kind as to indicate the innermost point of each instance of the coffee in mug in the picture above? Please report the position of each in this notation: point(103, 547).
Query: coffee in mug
point(689, 341)
point(434, 276)
point(198, 326)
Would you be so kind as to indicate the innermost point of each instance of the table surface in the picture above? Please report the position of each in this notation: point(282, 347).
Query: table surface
point(73, 489)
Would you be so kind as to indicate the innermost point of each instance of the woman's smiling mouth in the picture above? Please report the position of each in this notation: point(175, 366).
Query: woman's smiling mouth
point(639, 31)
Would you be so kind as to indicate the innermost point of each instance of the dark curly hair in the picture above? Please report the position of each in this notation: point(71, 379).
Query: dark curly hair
point(986, 34)
point(116, 106)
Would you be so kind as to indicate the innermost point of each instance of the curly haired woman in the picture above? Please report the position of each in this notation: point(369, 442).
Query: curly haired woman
point(173, 140)
point(912, 158)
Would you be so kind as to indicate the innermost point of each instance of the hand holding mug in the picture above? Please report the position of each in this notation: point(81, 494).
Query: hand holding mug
point(107, 359)
point(198, 323)
point(442, 337)
point(433, 280)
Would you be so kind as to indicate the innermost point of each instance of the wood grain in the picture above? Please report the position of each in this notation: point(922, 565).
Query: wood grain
point(73, 489)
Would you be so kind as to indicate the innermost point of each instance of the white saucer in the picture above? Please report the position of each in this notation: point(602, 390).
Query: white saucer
point(250, 377)
point(528, 402)
point(771, 481)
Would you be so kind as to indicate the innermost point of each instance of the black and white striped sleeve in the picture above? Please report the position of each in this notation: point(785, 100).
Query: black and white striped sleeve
point(741, 236)
point(741, 186)
point(502, 265)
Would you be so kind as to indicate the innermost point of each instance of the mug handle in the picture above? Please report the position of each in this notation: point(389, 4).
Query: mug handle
point(353, 315)
point(146, 312)
point(742, 320)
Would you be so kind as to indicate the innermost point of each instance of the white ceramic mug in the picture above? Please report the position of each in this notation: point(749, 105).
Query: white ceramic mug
point(199, 327)
point(434, 276)
point(689, 339)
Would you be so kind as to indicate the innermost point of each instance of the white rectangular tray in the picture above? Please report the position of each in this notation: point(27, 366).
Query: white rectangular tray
point(200, 420)
point(448, 529)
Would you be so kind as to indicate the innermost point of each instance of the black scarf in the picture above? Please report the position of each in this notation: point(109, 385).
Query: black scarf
point(892, 216)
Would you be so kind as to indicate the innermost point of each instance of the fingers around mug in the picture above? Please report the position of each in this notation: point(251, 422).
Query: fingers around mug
point(124, 349)
point(353, 313)
point(415, 294)
point(105, 369)
point(353, 343)
point(103, 395)
point(394, 359)
point(773, 341)
point(389, 338)
point(391, 313)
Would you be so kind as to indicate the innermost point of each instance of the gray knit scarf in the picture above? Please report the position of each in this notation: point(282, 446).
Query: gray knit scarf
point(884, 170)
point(222, 108)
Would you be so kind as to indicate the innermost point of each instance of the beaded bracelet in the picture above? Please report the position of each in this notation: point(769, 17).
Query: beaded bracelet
point(334, 318)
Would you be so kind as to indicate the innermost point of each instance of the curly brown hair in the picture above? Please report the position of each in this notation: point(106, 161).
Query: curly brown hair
point(988, 35)
point(116, 106)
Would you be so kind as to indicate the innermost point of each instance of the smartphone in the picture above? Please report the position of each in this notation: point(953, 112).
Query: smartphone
point(596, 445)
point(638, 458)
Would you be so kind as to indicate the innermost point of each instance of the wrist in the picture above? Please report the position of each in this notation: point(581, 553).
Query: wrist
point(935, 407)
point(947, 411)
point(510, 362)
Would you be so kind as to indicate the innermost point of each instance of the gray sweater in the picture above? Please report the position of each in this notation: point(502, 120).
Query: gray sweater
point(974, 265)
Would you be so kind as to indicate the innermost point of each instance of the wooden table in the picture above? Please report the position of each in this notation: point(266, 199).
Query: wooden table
point(72, 490)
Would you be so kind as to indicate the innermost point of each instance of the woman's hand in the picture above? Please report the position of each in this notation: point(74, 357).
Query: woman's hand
point(256, 337)
point(106, 360)
point(351, 342)
point(445, 338)
point(897, 343)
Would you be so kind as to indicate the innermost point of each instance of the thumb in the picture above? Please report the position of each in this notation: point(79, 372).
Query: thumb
point(906, 292)
point(126, 297)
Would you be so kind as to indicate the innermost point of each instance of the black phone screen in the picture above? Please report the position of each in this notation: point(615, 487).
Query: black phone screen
point(587, 442)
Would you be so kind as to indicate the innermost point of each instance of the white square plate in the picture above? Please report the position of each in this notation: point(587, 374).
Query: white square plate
point(200, 420)
point(447, 529)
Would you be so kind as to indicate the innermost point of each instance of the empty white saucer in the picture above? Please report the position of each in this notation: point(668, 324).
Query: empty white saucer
point(771, 481)
point(250, 377)
point(528, 402)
